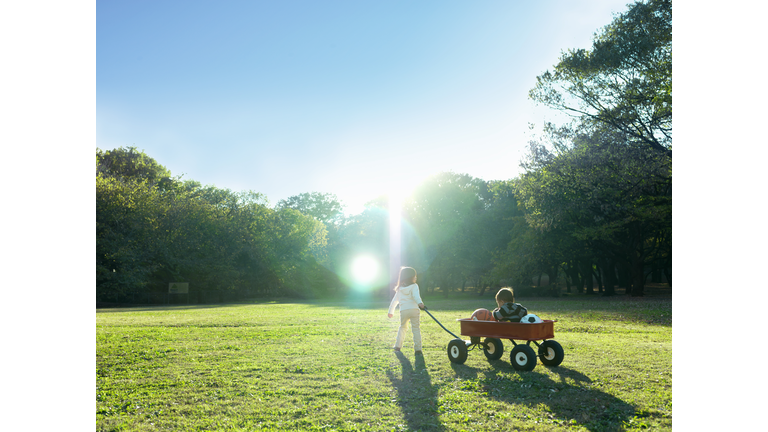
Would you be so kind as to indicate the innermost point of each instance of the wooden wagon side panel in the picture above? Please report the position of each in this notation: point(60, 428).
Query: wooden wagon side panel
point(508, 330)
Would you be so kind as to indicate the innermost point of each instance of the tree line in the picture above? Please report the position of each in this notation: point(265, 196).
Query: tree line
point(153, 229)
point(592, 208)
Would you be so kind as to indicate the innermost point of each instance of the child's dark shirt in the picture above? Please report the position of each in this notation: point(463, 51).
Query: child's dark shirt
point(510, 312)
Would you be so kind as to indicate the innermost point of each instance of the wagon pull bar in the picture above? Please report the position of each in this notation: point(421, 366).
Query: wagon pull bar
point(438, 322)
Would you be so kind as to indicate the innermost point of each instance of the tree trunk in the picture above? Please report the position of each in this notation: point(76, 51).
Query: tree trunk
point(599, 278)
point(553, 289)
point(625, 277)
point(638, 264)
point(609, 277)
point(572, 276)
point(638, 277)
point(586, 271)
point(656, 274)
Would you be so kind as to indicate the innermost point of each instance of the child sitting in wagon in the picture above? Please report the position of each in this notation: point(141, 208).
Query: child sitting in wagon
point(508, 310)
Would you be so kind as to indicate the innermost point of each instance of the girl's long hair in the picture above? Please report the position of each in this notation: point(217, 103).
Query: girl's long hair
point(406, 276)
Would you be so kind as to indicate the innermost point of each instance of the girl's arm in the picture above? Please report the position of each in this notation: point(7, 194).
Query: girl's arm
point(393, 304)
point(417, 296)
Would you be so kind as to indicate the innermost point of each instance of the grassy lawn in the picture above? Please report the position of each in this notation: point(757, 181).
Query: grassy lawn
point(329, 366)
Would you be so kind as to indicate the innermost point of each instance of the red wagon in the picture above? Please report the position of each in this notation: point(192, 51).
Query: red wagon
point(522, 356)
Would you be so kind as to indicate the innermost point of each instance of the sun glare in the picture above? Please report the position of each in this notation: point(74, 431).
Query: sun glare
point(395, 211)
point(365, 269)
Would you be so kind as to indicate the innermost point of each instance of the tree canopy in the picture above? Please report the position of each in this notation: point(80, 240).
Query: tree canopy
point(324, 207)
point(607, 180)
point(150, 233)
point(624, 81)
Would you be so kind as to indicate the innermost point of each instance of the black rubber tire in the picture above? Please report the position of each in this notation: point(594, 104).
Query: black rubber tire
point(523, 358)
point(551, 353)
point(457, 351)
point(494, 349)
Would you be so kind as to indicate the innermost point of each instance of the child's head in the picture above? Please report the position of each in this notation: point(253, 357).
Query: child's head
point(407, 277)
point(505, 295)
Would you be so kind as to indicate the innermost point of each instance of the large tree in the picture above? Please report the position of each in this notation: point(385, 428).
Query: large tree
point(613, 196)
point(624, 81)
point(607, 178)
point(324, 207)
point(443, 212)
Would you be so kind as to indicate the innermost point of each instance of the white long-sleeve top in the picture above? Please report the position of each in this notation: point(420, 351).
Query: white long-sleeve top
point(408, 297)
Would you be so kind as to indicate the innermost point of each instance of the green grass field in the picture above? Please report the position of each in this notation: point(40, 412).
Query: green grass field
point(329, 366)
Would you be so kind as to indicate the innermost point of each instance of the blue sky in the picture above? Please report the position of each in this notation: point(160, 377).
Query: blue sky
point(353, 98)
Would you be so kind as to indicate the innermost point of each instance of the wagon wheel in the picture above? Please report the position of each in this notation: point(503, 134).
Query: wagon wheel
point(523, 358)
point(457, 351)
point(551, 353)
point(494, 349)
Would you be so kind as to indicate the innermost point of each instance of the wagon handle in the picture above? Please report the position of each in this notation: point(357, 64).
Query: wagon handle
point(438, 322)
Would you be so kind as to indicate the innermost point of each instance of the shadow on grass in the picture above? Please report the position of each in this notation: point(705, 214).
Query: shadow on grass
point(416, 395)
point(570, 399)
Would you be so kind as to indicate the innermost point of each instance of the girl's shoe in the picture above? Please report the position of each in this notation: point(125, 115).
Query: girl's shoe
point(397, 349)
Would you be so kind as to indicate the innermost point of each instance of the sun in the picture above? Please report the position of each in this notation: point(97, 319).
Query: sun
point(365, 269)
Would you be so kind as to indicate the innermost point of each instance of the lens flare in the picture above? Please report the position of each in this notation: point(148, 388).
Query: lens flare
point(365, 269)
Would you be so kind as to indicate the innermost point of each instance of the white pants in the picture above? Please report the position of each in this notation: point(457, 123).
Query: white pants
point(411, 315)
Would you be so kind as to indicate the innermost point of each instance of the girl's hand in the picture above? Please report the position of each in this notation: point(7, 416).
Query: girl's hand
point(389, 315)
point(421, 305)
